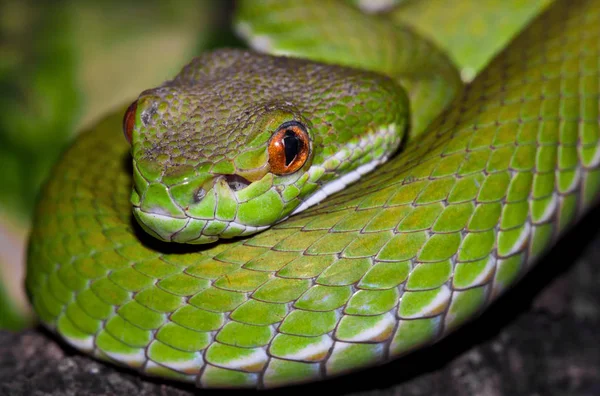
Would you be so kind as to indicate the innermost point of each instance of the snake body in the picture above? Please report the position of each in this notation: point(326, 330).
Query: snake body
point(391, 263)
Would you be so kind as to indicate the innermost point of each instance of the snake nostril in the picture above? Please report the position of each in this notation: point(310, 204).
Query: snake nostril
point(236, 182)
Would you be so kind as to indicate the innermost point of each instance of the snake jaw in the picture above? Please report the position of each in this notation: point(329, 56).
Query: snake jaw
point(200, 210)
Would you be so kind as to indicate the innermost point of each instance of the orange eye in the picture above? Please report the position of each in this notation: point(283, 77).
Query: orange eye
point(129, 121)
point(288, 148)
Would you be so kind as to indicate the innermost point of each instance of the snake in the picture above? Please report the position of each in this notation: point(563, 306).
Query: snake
point(331, 199)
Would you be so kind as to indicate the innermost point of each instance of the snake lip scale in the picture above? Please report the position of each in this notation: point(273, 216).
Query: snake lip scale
point(265, 283)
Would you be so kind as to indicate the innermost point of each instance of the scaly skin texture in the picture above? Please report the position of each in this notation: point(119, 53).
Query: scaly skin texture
point(392, 263)
point(215, 120)
point(332, 32)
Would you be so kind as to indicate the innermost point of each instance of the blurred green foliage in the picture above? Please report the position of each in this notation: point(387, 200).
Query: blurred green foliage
point(39, 103)
point(63, 65)
point(12, 316)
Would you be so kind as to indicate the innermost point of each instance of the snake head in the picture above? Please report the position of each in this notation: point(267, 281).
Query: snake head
point(240, 141)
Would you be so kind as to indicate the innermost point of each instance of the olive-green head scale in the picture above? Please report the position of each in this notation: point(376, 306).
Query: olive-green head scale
point(239, 141)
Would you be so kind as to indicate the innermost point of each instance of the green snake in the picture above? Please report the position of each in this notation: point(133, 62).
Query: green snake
point(235, 271)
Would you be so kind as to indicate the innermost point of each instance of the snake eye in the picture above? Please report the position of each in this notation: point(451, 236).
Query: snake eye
point(129, 121)
point(288, 148)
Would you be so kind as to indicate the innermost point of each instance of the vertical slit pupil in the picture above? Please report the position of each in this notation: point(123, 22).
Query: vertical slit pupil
point(292, 146)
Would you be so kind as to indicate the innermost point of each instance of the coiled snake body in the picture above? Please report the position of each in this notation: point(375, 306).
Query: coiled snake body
point(243, 296)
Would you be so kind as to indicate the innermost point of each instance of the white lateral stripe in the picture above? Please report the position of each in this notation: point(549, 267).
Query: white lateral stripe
point(256, 357)
point(516, 247)
point(185, 365)
point(85, 344)
point(260, 43)
point(338, 185)
point(311, 350)
point(549, 210)
point(441, 298)
point(368, 334)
